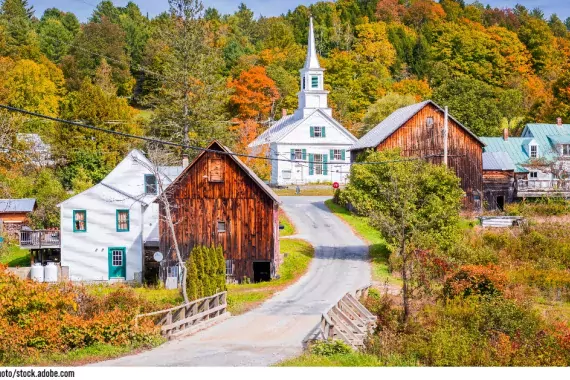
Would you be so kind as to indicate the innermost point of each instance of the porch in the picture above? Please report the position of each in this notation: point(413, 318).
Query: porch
point(529, 188)
point(40, 239)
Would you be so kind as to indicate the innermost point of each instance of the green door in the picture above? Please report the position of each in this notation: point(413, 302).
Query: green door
point(117, 262)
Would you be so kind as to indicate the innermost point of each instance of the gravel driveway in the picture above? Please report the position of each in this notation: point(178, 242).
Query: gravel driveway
point(275, 330)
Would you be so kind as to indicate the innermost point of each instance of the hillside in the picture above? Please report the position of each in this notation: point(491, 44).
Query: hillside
point(192, 74)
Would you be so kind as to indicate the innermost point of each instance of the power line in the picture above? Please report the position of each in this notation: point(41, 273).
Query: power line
point(192, 147)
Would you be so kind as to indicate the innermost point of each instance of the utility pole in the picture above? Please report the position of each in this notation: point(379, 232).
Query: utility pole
point(445, 131)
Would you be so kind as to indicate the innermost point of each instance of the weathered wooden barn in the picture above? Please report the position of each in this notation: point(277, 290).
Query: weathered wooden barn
point(499, 180)
point(218, 200)
point(418, 131)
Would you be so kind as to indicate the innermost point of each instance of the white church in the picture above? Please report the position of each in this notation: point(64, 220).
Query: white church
point(309, 146)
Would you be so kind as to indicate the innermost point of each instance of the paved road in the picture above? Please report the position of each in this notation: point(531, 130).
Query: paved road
point(276, 330)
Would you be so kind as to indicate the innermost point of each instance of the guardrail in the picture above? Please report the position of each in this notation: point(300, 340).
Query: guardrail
point(40, 239)
point(348, 319)
point(543, 185)
point(177, 319)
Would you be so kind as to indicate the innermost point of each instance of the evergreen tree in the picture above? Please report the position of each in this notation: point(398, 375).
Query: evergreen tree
point(192, 276)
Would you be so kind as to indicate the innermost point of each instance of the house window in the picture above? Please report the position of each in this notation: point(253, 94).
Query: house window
point(429, 121)
point(221, 226)
point(314, 82)
point(566, 149)
point(534, 151)
point(229, 267)
point(286, 174)
point(337, 154)
point(318, 164)
point(117, 258)
point(79, 220)
point(215, 170)
point(533, 174)
point(317, 131)
point(122, 220)
point(150, 184)
point(298, 154)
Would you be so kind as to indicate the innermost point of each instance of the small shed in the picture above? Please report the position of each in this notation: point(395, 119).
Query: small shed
point(218, 200)
point(499, 182)
point(14, 214)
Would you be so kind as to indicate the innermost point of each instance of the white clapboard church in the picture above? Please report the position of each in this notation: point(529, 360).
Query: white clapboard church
point(311, 145)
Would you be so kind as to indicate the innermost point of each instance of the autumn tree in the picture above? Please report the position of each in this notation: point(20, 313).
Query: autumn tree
point(383, 107)
point(254, 94)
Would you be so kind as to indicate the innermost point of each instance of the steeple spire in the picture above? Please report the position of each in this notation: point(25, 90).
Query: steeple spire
point(311, 62)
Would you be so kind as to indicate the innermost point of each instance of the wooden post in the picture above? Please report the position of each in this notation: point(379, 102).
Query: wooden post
point(445, 132)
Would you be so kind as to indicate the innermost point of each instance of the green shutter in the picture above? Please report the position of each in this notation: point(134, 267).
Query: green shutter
point(325, 165)
point(343, 154)
point(315, 81)
point(323, 130)
point(304, 154)
point(292, 154)
point(312, 132)
point(331, 154)
point(311, 170)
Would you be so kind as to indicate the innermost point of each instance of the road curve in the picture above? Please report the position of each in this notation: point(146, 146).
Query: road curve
point(275, 330)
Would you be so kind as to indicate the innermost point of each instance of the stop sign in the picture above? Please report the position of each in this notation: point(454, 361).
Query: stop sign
point(335, 185)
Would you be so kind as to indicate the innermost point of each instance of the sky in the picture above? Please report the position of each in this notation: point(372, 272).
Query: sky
point(84, 8)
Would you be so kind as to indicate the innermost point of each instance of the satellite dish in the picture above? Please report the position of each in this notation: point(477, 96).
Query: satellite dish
point(157, 256)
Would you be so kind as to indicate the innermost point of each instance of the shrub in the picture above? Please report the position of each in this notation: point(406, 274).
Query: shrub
point(329, 347)
point(475, 280)
point(206, 272)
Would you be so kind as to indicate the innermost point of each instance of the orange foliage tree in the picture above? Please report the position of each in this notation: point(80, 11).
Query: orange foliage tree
point(247, 131)
point(254, 94)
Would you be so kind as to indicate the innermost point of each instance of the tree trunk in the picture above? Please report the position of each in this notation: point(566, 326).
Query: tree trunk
point(405, 290)
point(173, 233)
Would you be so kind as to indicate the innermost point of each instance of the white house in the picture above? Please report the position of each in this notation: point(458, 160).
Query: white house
point(104, 230)
point(310, 145)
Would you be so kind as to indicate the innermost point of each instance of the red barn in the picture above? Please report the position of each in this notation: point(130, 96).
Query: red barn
point(218, 200)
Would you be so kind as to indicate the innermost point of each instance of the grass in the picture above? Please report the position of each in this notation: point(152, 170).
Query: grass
point(297, 257)
point(285, 222)
point(14, 256)
point(377, 248)
point(161, 297)
point(312, 191)
point(91, 354)
point(353, 359)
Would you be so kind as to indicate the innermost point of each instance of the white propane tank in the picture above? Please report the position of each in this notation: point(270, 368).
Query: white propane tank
point(37, 272)
point(50, 272)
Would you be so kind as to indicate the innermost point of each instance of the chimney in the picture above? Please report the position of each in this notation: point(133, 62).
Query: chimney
point(185, 161)
point(559, 121)
point(505, 134)
point(284, 112)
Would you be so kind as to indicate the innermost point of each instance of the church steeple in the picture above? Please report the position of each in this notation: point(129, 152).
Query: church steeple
point(312, 95)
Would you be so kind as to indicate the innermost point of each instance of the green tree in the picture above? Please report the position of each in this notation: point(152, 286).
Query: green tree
point(383, 107)
point(190, 100)
point(55, 39)
point(192, 276)
point(414, 205)
point(20, 38)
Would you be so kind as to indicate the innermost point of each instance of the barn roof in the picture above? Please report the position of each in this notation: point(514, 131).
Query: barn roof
point(17, 205)
point(217, 146)
point(497, 161)
point(397, 119)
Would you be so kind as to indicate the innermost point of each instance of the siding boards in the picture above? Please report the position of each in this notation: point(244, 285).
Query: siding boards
point(416, 138)
point(198, 204)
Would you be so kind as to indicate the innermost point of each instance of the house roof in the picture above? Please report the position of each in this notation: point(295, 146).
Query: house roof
point(514, 147)
point(397, 119)
point(171, 171)
point(217, 146)
point(547, 136)
point(497, 161)
point(17, 205)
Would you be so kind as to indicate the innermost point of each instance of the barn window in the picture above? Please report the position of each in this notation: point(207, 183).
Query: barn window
point(534, 151)
point(215, 170)
point(150, 184)
point(229, 267)
point(429, 121)
point(221, 226)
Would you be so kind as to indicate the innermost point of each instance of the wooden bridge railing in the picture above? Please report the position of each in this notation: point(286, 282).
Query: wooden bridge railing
point(179, 318)
point(348, 319)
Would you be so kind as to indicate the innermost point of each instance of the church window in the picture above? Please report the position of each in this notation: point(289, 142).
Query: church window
point(303, 83)
point(315, 81)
